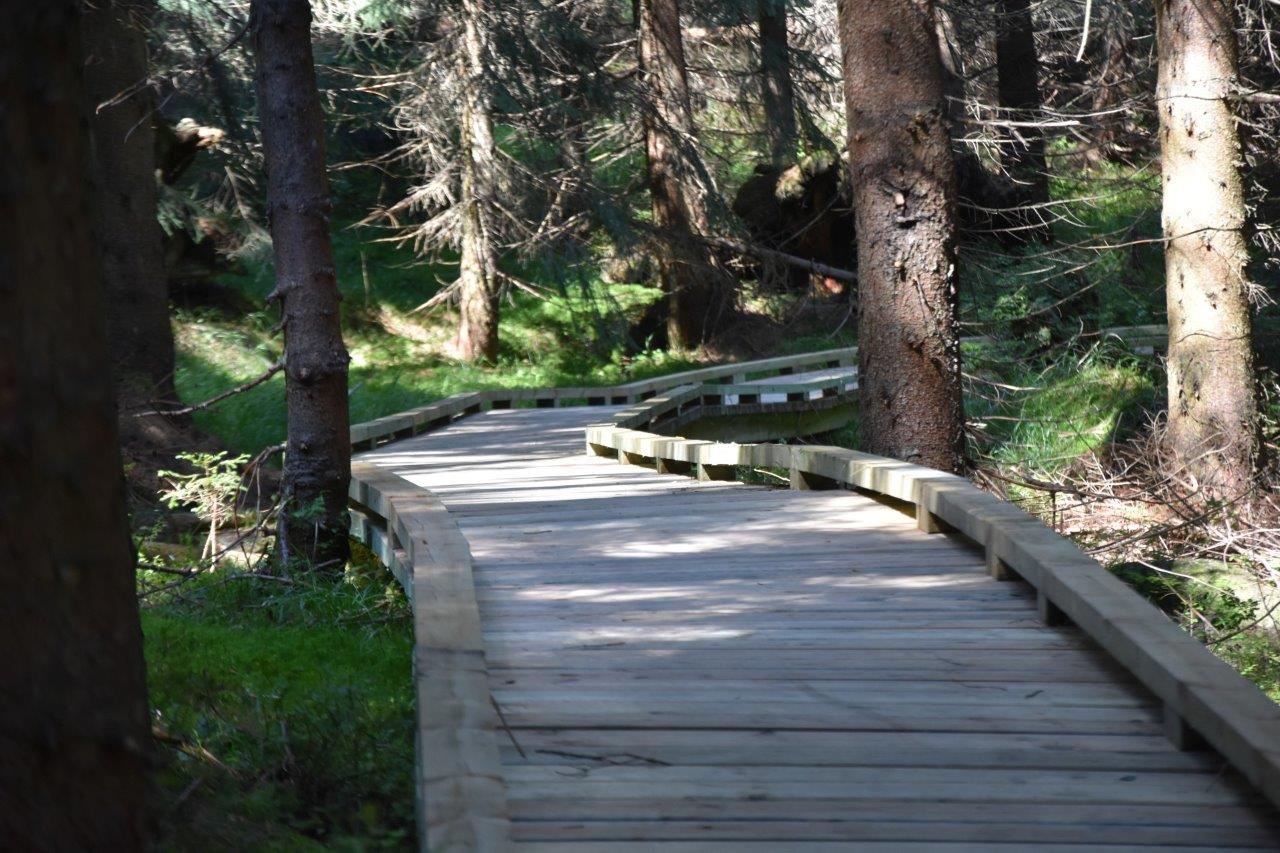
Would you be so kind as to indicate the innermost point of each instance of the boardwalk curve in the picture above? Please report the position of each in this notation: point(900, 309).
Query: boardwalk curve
point(652, 655)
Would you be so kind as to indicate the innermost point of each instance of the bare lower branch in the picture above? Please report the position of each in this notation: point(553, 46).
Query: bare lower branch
point(783, 257)
point(239, 389)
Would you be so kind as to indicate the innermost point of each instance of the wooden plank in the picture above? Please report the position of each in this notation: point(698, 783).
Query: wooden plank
point(1043, 815)
point(839, 847)
point(614, 782)
point(533, 686)
point(827, 639)
point(992, 829)
point(637, 713)
point(991, 750)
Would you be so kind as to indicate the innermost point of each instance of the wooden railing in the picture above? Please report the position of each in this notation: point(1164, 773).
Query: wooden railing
point(1204, 699)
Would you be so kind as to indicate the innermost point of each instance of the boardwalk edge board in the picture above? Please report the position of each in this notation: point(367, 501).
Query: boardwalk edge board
point(460, 796)
point(461, 801)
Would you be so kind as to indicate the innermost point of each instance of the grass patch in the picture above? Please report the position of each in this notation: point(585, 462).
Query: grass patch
point(295, 708)
point(571, 336)
point(1074, 405)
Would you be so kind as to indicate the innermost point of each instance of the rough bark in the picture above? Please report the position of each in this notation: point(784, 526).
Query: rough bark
point(1213, 411)
point(73, 705)
point(317, 463)
point(1018, 89)
point(477, 337)
point(904, 203)
point(124, 200)
point(698, 296)
point(776, 92)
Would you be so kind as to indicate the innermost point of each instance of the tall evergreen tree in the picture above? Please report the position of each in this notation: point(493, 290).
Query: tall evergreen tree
point(477, 337)
point(778, 95)
point(123, 166)
point(1213, 410)
point(1018, 86)
point(317, 466)
point(698, 296)
point(73, 704)
point(904, 200)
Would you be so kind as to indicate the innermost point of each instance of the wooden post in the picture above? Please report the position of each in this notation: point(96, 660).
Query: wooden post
point(803, 481)
point(1050, 613)
point(998, 568)
point(927, 521)
point(672, 466)
point(1179, 733)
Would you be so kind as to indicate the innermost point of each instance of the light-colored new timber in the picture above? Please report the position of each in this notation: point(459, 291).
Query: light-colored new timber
point(704, 665)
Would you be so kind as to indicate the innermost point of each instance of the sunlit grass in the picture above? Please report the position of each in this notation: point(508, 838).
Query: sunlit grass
point(567, 335)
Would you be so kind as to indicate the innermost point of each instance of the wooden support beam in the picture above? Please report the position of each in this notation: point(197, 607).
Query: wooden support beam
point(717, 472)
point(998, 568)
point(1180, 734)
point(926, 521)
point(1050, 613)
point(672, 466)
point(803, 481)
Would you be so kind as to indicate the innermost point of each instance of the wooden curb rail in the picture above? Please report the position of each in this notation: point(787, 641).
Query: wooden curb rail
point(1203, 697)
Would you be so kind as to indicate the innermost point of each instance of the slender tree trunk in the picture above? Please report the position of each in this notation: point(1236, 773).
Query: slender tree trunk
point(698, 296)
point(951, 58)
point(1213, 410)
point(124, 200)
point(317, 465)
point(73, 704)
point(1018, 89)
point(904, 201)
point(775, 80)
point(477, 338)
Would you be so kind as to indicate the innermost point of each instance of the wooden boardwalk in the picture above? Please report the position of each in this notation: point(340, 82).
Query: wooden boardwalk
point(713, 666)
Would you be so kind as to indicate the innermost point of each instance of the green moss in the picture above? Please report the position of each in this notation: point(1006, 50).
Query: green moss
point(296, 707)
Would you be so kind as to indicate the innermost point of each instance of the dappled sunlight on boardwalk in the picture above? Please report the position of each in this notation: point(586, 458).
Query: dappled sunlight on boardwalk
point(715, 666)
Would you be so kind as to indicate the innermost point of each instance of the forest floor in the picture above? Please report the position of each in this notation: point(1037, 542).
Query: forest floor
point(287, 708)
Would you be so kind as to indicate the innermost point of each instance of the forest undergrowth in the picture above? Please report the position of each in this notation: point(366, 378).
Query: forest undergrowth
point(1057, 417)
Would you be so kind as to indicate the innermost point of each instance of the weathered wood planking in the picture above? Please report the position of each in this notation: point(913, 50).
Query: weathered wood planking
point(1204, 698)
point(707, 666)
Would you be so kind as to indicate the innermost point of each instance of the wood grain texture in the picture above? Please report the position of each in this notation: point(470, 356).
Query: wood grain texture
point(690, 665)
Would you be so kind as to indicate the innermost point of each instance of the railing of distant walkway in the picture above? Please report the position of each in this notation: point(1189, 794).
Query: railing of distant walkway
point(460, 793)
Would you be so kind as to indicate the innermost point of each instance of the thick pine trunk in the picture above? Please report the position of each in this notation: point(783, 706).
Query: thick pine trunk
point(124, 201)
point(1213, 410)
point(1018, 89)
point(73, 703)
point(317, 466)
point(698, 296)
point(776, 92)
point(904, 200)
point(477, 338)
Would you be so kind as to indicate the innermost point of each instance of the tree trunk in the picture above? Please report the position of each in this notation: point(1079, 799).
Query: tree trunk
point(123, 166)
point(904, 201)
point(1018, 88)
point(477, 338)
point(698, 295)
point(777, 95)
point(73, 704)
point(317, 464)
point(1213, 424)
